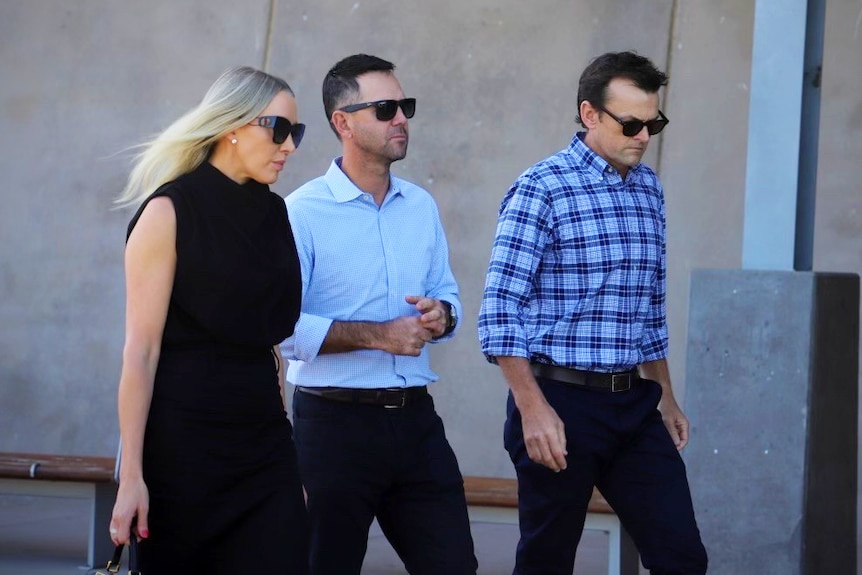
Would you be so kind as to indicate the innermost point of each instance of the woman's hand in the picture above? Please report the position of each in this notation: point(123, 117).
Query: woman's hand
point(130, 512)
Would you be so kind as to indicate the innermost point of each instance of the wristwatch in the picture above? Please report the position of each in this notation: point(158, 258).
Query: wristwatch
point(451, 318)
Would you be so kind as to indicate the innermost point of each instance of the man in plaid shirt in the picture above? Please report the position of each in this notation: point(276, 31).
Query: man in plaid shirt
point(574, 314)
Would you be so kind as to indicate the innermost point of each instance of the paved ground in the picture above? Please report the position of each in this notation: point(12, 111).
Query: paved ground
point(48, 536)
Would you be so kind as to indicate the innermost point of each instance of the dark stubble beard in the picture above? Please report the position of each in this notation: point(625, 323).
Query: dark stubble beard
point(390, 151)
point(394, 151)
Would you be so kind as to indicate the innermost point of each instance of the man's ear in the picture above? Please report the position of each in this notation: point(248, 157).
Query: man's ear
point(589, 115)
point(341, 124)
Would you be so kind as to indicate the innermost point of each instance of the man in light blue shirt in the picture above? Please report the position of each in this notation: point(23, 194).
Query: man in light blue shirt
point(377, 287)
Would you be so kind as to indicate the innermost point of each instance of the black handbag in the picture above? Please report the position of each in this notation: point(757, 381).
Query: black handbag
point(113, 565)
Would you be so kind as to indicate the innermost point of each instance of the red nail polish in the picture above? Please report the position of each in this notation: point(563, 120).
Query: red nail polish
point(145, 533)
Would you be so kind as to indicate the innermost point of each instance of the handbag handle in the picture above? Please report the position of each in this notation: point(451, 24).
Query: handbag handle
point(114, 564)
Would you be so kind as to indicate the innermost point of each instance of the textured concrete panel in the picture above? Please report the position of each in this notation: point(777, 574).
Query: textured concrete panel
point(838, 224)
point(772, 394)
point(703, 150)
point(83, 81)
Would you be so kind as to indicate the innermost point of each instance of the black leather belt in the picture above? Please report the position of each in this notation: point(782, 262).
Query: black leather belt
point(392, 398)
point(608, 381)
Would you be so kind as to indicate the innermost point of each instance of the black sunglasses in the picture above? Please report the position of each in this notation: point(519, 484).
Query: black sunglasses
point(281, 129)
point(632, 128)
point(385, 109)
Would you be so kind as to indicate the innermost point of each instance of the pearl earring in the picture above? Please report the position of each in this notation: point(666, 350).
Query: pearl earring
point(233, 141)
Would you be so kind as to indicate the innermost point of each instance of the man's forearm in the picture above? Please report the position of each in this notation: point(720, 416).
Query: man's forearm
point(525, 390)
point(346, 336)
point(657, 371)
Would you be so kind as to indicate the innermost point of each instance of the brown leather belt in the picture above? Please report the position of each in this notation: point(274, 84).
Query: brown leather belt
point(391, 398)
point(608, 381)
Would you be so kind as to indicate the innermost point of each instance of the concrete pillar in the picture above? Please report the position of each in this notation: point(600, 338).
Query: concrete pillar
point(771, 379)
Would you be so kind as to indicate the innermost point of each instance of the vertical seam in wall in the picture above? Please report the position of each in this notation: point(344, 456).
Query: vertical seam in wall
point(671, 39)
point(270, 24)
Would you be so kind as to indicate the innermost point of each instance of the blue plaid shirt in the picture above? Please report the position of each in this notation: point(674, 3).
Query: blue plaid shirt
point(577, 272)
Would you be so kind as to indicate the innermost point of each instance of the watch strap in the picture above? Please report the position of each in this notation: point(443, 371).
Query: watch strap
point(451, 318)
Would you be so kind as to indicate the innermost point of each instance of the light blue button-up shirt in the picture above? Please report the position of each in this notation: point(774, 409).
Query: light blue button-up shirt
point(359, 261)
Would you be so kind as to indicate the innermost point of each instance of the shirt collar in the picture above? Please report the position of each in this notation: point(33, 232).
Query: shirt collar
point(344, 190)
point(596, 164)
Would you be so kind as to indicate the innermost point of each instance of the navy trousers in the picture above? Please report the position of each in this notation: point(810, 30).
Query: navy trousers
point(617, 442)
point(359, 462)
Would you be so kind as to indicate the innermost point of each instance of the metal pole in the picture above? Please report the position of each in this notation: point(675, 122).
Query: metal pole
point(772, 168)
point(809, 136)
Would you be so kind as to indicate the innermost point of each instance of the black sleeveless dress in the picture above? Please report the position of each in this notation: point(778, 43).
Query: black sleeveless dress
point(219, 458)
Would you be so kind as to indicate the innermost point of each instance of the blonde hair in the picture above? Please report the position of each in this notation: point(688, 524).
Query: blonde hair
point(234, 99)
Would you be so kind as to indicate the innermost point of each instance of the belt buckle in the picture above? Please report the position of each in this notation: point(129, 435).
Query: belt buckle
point(403, 401)
point(621, 382)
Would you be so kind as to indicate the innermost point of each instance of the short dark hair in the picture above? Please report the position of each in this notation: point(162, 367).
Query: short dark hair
point(595, 78)
point(340, 83)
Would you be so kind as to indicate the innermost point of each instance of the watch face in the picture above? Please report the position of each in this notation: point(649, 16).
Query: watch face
point(451, 316)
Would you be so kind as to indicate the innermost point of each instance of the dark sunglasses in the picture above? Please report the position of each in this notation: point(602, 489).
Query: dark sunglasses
point(386, 109)
point(632, 128)
point(281, 129)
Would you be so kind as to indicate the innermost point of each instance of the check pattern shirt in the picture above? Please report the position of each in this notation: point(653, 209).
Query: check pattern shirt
point(577, 276)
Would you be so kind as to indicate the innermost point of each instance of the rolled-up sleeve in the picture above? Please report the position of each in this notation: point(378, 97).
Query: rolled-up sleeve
point(523, 228)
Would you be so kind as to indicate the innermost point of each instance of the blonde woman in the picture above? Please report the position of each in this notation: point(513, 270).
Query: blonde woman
point(208, 477)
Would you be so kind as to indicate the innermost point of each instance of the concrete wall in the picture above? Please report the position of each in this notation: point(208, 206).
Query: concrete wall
point(496, 83)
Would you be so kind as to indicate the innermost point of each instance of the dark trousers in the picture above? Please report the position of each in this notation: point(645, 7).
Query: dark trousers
point(617, 442)
point(359, 462)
